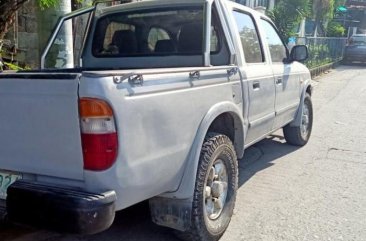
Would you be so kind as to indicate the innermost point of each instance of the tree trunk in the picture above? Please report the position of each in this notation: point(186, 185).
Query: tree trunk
point(8, 9)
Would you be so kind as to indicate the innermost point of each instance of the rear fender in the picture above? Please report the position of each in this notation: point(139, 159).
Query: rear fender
point(187, 184)
point(174, 209)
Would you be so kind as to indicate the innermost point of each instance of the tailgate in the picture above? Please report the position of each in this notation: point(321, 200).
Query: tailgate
point(39, 125)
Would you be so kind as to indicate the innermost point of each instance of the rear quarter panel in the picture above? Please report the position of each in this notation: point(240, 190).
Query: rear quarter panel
point(157, 124)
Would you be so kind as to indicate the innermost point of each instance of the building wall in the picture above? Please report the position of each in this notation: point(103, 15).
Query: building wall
point(28, 35)
point(23, 37)
point(32, 30)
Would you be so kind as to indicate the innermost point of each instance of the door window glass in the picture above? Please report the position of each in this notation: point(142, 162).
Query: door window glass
point(276, 47)
point(214, 40)
point(249, 38)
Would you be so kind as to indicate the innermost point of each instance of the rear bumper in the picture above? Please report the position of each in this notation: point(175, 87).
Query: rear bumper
point(60, 208)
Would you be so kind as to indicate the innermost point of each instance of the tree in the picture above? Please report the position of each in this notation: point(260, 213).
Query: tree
point(323, 10)
point(338, 3)
point(335, 29)
point(287, 15)
point(8, 9)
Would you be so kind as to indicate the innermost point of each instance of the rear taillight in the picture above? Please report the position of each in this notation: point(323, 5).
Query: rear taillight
point(98, 134)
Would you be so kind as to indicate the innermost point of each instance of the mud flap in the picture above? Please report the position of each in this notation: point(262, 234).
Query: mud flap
point(171, 213)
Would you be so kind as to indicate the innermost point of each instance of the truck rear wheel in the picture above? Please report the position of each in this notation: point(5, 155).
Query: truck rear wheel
point(299, 135)
point(215, 190)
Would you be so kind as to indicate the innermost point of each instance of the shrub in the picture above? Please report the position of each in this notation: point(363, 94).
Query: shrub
point(335, 29)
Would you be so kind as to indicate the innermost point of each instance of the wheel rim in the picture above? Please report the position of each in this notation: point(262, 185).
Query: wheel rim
point(305, 121)
point(215, 192)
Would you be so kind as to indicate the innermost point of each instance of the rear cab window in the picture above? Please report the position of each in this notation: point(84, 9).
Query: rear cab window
point(177, 31)
point(156, 37)
point(140, 39)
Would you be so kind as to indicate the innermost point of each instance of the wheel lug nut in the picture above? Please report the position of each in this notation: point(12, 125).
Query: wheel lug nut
point(207, 191)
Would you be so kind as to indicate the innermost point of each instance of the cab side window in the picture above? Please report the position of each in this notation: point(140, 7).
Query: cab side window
point(249, 38)
point(276, 47)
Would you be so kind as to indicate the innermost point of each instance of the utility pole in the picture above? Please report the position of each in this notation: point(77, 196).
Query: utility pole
point(61, 54)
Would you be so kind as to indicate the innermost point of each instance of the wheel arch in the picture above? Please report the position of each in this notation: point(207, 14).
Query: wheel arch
point(217, 115)
point(308, 89)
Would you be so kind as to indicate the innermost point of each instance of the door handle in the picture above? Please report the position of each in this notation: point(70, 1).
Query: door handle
point(256, 85)
point(279, 81)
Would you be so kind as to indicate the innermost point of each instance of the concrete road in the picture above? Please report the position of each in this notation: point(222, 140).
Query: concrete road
point(317, 192)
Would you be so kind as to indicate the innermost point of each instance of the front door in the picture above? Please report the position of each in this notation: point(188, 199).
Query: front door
point(287, 82)
point(258, 78)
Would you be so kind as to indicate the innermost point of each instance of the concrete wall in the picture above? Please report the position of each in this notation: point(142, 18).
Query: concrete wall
point(28, 35)
point(24, 36)
point(34, 28)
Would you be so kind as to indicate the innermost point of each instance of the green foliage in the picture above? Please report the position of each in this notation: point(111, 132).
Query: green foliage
point(47, 3)
point(11, 66)
point(323, 9)
point(335, 29)
point(287, 15)
point(50, 3)
point(324, 51)
point(338, 3)
point(323, 12)
point(319, 55)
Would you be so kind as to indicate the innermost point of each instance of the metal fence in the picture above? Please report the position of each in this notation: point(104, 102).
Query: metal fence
point(323, 51)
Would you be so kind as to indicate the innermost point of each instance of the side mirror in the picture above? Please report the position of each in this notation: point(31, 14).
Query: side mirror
point(299, 53)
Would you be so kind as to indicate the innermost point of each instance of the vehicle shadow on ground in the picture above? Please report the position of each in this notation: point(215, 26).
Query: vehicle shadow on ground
point(134, 223)
point(262, 155)
point(354, 64)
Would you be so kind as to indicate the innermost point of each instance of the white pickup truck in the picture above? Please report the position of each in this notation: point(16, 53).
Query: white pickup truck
point(165, 99)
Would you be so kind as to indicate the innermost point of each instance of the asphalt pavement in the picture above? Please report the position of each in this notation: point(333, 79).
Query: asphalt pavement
point(317, 192)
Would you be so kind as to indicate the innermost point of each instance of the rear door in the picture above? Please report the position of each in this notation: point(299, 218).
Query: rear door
point(257, 75)
point(39, 125)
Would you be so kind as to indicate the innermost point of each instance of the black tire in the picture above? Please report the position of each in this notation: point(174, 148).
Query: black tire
point(216, 147)
point(293, 134)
